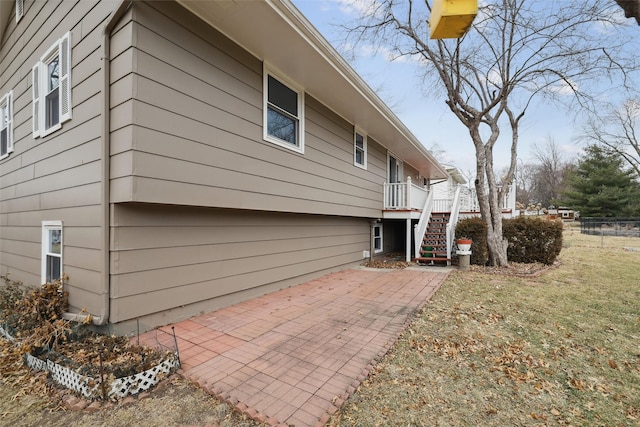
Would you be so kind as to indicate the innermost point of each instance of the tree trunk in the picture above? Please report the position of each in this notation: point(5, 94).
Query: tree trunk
point(489, 199)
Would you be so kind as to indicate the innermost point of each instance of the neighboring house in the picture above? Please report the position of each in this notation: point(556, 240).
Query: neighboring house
point(563, 213)
point(174, 157)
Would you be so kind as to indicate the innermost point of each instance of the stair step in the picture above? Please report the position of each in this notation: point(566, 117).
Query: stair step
point(429, 260)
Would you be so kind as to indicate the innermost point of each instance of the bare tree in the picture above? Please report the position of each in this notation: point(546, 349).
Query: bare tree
point(516, 50)
point(551, 170)
point(617, 132)
point(525, 181)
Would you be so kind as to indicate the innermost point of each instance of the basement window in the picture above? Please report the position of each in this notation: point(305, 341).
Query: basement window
point(51, 250)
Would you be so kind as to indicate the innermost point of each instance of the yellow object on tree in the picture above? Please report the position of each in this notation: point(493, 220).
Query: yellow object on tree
point(450, 19)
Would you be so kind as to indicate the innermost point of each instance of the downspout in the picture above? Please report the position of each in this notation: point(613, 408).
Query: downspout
point(119, 12)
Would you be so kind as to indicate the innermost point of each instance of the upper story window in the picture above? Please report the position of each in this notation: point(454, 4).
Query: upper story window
point(19, 10)
point(283, 113)
point(51, 250)
point(52, 88)
point(360, 150)
point(6, 125)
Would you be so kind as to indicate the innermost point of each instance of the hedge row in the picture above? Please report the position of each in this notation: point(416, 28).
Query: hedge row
point(530, 239)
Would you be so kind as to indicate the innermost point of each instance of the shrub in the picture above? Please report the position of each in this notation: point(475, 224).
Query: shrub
point(476, 230)
point(532, 239)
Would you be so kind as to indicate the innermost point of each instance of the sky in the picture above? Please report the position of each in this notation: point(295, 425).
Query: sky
point(428, 118)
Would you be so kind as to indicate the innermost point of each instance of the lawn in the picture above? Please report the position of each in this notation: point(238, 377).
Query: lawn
point(560, 348)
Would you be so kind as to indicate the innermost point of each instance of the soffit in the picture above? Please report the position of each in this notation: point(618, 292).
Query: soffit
point(278, 34)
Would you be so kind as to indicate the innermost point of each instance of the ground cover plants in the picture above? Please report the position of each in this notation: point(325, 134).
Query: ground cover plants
point(557, 348)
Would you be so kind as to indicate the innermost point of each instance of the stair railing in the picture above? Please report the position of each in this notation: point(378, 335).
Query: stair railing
point(453, 220)
point(421, 227)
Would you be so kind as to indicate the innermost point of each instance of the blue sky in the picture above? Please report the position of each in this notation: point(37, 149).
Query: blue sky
point(397, 83)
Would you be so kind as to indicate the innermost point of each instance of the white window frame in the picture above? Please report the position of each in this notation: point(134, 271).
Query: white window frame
point(376, 249)
point(7, 102)
point(61, 50)
point(19, 10)
point(357, 132)
point(48, 226)
point(299, 146)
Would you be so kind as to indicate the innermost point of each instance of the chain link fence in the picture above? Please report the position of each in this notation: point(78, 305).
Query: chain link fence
point(609, 226)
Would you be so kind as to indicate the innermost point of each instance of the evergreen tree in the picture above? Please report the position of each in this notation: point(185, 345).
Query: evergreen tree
point(601, 187)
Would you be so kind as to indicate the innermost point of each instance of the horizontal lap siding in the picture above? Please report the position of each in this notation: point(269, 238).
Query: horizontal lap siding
point(187, 128)
point(56, 177)
point(166, 257)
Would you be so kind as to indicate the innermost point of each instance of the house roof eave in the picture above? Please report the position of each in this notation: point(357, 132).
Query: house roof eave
point(261, 28)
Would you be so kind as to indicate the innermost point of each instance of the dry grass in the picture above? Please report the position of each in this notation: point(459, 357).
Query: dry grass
point(561, 348)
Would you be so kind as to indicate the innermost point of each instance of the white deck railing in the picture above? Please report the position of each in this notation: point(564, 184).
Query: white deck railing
point(404, 196)
point(469, 201)
point(453, 219)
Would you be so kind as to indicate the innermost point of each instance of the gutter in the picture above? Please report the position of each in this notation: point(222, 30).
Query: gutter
point(103, 318)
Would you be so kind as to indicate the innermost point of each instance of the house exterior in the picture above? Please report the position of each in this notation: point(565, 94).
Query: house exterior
point(173, 157)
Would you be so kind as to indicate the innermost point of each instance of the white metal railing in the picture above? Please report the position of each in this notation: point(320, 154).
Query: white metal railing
point(421, 227)
point(404, 195)
point(453, 219)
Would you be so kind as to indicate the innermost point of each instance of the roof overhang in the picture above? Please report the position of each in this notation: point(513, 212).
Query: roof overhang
point(277, 33)
point(456, 175)
point(6, 9)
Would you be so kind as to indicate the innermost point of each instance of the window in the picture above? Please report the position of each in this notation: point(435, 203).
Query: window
point(19, 10)
point(283, 114)
point(6, 125)
point(377, 238)
point(360, 150)
point(51, 250)
point(52, 88)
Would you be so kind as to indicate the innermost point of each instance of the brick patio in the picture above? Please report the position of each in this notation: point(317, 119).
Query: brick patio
point(293, 357)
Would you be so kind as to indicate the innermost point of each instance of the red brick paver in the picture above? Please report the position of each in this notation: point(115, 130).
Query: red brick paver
point(293, 356)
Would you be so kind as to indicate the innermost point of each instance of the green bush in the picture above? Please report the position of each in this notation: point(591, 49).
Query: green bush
point(476, 230)
point(532, 239)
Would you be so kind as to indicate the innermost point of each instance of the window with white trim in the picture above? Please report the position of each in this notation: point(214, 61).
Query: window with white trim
point(360, 150)
point(283, 113)
point(51, 250)
point(377, 238)
point(6, 125)
point(19, 10)
point(51, 88)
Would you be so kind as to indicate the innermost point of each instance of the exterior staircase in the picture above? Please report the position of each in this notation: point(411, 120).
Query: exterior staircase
point(434, 242)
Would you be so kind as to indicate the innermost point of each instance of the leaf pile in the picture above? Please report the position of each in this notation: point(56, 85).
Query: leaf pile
point(383, 263)
point(35, 320)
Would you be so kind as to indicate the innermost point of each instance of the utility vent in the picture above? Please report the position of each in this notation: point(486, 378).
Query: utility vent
point(19, 10)
point(365, 254)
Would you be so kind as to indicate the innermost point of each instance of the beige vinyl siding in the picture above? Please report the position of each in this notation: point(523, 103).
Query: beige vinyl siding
point(57, 177)
point(187, 128)
point(166, 257)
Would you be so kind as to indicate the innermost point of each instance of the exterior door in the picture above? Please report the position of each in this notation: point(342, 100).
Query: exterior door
point(395, 173)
